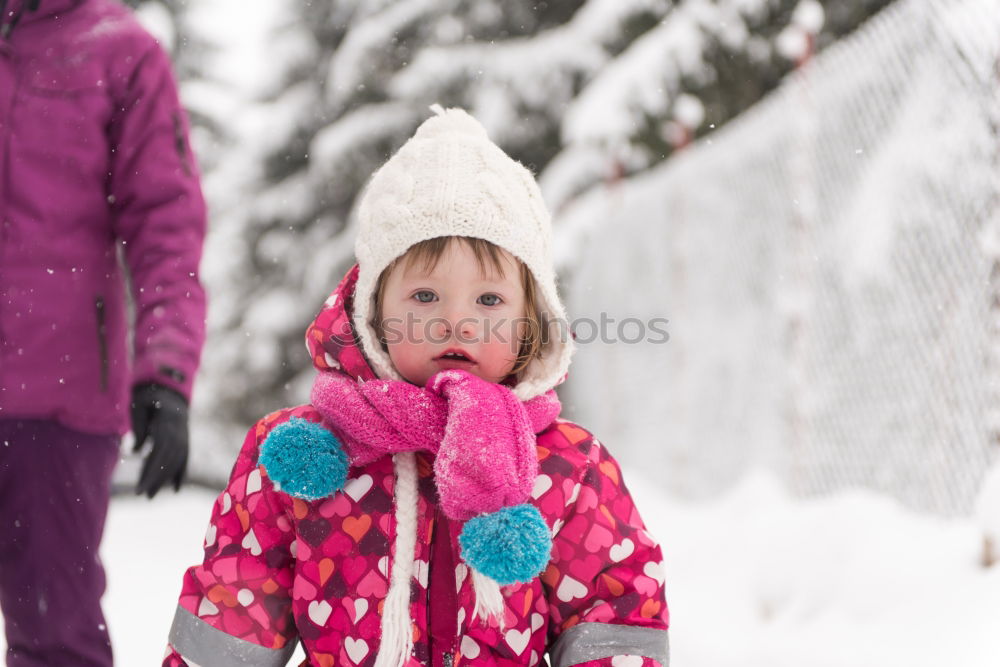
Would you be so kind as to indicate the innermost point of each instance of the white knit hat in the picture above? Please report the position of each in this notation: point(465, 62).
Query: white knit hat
point(449, 179)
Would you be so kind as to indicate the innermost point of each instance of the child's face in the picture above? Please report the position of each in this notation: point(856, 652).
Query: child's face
point(454, 308)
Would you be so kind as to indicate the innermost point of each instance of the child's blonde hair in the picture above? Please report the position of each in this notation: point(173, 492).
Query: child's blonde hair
point(427, 253)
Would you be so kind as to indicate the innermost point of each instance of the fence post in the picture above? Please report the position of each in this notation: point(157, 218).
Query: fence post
point(799, 290)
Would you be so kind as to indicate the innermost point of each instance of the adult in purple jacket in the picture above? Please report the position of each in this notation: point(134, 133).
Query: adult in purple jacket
point(97, 181)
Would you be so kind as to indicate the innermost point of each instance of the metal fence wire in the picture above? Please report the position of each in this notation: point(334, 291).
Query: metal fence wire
point(830, 266)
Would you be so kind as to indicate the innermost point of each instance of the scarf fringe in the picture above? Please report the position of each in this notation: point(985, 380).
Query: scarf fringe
point(397, 632)
point(490, 604)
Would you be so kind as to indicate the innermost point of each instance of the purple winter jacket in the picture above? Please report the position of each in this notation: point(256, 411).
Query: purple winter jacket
point(94, 162)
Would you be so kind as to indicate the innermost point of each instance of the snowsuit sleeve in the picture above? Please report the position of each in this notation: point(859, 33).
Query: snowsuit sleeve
point(159, 214)
point(605, 582)
point(235, 608)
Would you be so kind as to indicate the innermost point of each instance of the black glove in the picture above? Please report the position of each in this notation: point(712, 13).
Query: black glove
point(162, 414)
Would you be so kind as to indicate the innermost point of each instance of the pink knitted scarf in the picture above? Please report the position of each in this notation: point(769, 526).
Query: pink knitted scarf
point(482, 435)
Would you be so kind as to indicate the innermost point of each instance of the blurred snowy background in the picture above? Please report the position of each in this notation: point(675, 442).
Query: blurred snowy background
point(809, 191)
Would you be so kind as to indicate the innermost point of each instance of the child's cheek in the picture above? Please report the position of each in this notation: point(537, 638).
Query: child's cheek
point(404, 357)
point(507, 343)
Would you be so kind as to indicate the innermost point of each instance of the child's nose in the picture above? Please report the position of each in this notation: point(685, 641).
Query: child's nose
point(462, 327)
point(466, 328)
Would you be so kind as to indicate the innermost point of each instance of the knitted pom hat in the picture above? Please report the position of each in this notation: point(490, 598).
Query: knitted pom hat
point(449, 179)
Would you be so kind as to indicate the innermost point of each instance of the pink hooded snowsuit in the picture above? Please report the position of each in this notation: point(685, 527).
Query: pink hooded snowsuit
point(279, 569)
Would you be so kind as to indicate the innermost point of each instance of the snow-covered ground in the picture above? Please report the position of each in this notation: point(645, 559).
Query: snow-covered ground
point(757, 578)
point(754, 578)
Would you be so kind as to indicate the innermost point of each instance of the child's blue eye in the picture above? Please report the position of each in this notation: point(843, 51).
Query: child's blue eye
point(486, 300)
point(424, 293)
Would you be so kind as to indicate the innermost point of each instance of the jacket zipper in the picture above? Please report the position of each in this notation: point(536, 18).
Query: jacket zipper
point(102, 341)
point(441, 535)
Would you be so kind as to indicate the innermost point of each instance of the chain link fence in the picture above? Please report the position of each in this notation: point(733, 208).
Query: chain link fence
point(830, 267)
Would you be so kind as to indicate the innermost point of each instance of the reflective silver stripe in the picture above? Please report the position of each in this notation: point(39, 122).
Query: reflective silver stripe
point(593, 641)
point(199, 642)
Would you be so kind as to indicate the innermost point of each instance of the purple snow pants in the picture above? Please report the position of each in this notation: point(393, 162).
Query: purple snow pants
point(54, 491)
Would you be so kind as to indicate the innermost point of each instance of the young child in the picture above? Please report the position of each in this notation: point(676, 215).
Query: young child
point(429, 506)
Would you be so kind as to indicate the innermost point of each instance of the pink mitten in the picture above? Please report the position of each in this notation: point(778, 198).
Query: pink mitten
point(487, 459)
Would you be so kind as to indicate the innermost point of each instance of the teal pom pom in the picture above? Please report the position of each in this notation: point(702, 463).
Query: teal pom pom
point(304, 459)
point(510, 545)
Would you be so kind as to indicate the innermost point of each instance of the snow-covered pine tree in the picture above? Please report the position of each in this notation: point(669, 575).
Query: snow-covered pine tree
point(285, 227)
point(705, 62)
point(575, 90)
point(361, 80)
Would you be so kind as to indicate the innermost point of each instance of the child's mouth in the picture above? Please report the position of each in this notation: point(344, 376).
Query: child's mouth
point(455, 359)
